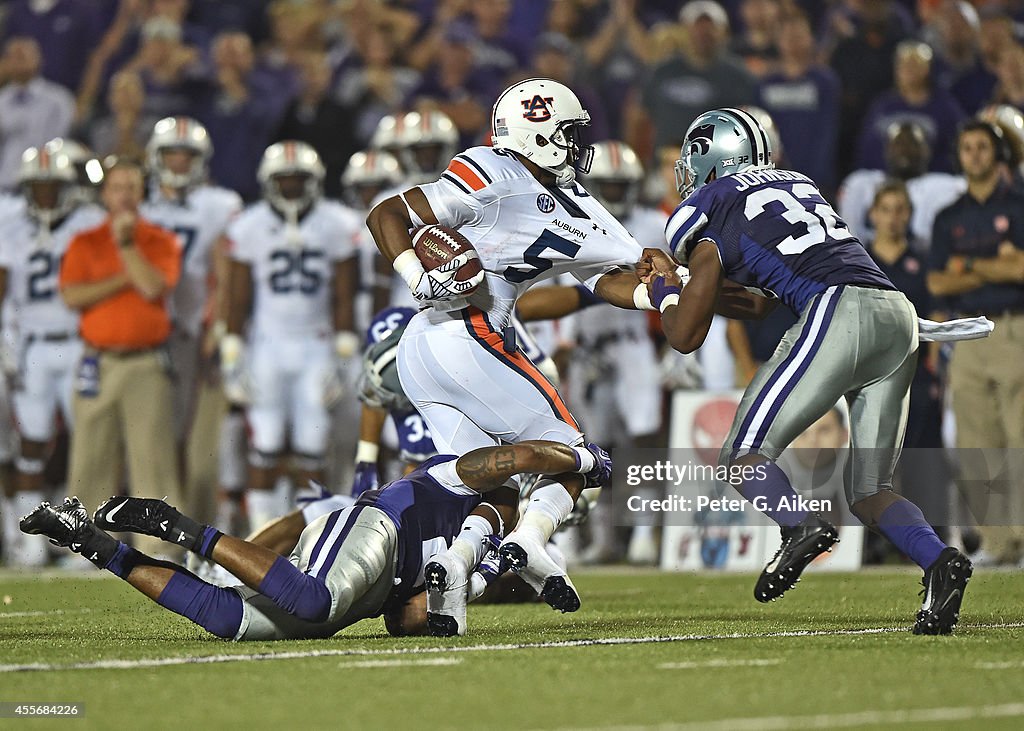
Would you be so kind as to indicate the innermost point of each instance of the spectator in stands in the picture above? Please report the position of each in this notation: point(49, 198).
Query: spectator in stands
point(294, 32)
point(32, 109)
point(907, 154)
point(498, 50)
point(316, 118)
point(998, 32)
point(453, 85)
point(616, 55)
point(977, 265)
point(239, 113)
point(67, 29)
point(118, 275)
point(379, 86)
point(913, 97)
point(862, 58)
point(1010, 72)
point(958, 65)
point(756, 41)
point(171, 71)
point(123, 131)
point(704, 77)
point(803, 98)
point(217, 16)
point(555, 57)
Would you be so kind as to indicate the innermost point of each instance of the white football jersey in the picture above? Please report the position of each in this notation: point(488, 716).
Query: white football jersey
point(293, 267)
point(199, 220)
point(523, 231)
point(32, 259)
point(929, 194)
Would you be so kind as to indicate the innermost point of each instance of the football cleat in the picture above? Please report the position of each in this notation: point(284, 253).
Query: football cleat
point(447, 594)
point(530, 561)
point(147, 516)
point(801, 544)
point(66, 525)
point(944, 584)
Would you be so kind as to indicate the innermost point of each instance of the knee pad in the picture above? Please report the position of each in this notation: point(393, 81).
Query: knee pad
point(29, 465)
point(264, 460)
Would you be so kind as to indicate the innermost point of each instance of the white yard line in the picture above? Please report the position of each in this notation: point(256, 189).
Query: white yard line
point(721, 663)
point(837, 720)
point(115, 664)
point(425, 662)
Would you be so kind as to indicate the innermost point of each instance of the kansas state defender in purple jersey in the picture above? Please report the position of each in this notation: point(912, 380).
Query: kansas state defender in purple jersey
point(363, 561)
point(744, 224)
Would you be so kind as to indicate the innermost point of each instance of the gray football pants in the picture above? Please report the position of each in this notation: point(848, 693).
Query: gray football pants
point(851, 342)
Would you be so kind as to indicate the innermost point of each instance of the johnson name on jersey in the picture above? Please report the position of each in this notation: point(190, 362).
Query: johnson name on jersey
point(32, 259)
point(524, 231)
point(199, 220)
point(292, 270)
point(775, 231)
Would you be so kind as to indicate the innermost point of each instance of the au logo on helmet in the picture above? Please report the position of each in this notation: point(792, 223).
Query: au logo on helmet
point(537, 108)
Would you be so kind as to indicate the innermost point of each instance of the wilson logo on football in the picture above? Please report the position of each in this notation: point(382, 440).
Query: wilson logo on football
point(537, 108)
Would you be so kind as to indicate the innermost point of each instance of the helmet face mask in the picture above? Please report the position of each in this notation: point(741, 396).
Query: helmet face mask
point(176, 134)
point(719, 143)
point(541, 120)
point(49, 184)
point(291, 176)
point(367, 175)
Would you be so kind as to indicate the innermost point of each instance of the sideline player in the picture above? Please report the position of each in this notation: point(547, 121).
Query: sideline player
point(293, 280)
point(519, 204)
point(745, 224)
point(360, 562)
point(46, 347)
point(181, 200)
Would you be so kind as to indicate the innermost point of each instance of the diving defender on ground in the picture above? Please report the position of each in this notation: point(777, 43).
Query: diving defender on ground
point(363, 561)
point(745, 224)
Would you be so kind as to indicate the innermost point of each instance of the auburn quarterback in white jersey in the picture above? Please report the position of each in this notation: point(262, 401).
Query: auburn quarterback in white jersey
point(293, 281)
point(518, 203)
point(42, 348)
point(180, 200)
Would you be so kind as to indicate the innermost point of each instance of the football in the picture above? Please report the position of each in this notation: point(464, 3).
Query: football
point(436, 246)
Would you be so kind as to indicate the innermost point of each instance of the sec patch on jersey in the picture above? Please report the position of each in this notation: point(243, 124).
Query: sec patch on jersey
point(441, 248)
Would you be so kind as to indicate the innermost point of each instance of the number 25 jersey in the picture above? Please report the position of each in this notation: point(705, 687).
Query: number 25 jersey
point(524, 231)
point(773, 230)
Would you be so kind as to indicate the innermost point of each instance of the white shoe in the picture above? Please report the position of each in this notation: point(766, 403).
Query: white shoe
point(447, 594)
point(529, 559)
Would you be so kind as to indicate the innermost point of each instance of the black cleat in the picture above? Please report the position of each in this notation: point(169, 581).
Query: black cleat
point(147, 516)
point(944, 584)
point(801, 544)
point(66, 525)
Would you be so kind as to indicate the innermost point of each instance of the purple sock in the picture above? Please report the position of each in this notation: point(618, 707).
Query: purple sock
point(773, 495)
point(123, 561)
point(215, 609)
point(297, 593)
point(903, 523)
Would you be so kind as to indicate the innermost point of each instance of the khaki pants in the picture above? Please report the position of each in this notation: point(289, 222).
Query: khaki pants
point(133, 408)
point(987, 383)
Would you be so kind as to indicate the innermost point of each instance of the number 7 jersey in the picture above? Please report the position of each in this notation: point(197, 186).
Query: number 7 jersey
point(775, 231)
point(525, 231)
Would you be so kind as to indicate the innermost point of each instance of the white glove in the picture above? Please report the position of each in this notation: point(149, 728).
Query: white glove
point(234, 375)
point(439, 284)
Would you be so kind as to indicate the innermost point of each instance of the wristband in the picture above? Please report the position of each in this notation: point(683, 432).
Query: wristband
point(409, 267)
point(665, 295)
point(346, 344)
point(367, 451)
point(585, 460)
point(642, 298)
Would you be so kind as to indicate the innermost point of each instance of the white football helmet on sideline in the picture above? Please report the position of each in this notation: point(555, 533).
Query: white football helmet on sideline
point(49, 184)
point(368, 173)
point(541, 120)
point(179, 133)
point(291, 159)
point(87, 166)
point(385, 136)
point(426, 142)
point(615, 177)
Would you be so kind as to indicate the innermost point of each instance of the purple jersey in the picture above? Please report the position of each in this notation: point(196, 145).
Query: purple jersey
point(414, 440)
point(773, 231)
point(428, 517)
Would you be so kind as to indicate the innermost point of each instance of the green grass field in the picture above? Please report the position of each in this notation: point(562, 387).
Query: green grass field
point(646, 651)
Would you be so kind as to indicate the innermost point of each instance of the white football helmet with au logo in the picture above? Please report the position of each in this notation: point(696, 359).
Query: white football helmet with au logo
point(426, 142)
point(615, 177)
point(719, 143)
point(87, 166)
point(541, 119)
point(179, 133)
point(50, 185)
point(368, 173)
point(291, 159)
